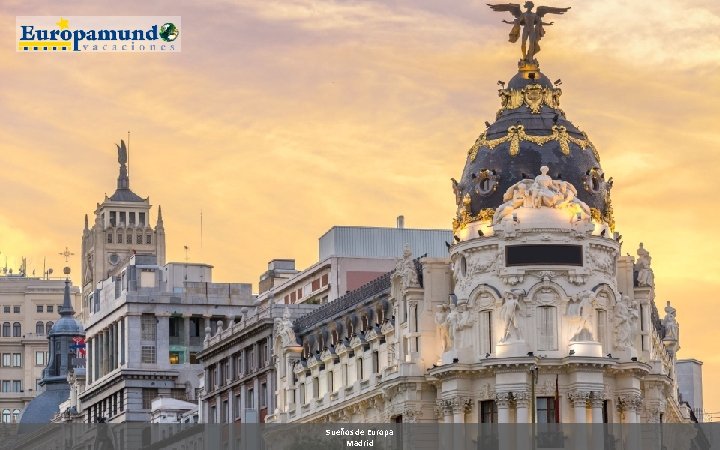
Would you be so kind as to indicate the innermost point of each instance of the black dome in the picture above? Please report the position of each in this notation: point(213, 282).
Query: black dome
point(491, 167)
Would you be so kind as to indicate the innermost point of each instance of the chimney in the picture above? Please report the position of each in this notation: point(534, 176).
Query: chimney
point(401, 222)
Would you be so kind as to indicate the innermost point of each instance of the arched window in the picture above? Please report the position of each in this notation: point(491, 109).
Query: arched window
point(485, 184)
point(547, 330)
point(6, 416)
point(39, 328)
point(6, 329)
point(17, 329)
point(48, 327)
point(16, 416)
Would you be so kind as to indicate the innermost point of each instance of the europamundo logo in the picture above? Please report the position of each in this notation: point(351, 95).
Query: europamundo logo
point(95, 34)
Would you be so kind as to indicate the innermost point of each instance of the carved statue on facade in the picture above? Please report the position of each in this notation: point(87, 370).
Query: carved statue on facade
point(405, 270)
point(122, 152)
point(531, 23)
point(457, 191)
point(284, 329)
point(452, 320)
point(583, 310)
point(671, 324)
point(625, 319)
point(508, 314)
point(441, 315)
point(645, 275)
point(541, 192)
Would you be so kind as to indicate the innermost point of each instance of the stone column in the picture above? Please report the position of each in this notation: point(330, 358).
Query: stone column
point(598, 429)
point(111, 347)
point(579, 400)
point(460, 407)
point(186, 337)
point(502, 400)
point(89, 355)
point(162, 341)
point(628, 405)
point(133, 330)
point(522, 409)
point(121, 342)
point(522, 405)
point(101, 353)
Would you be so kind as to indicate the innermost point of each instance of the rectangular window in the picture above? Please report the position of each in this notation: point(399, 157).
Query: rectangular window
point(315, 387)
point(195, 327)
point(49, 308)
point(148, 354)
point(324, 280)
point(345, 375)
point(39, 308)
point(16, 309)
point(224, 412)
point(546, 410)
point(147, 397)
point(132, 218)
point(141, 217)
point(148, 327)
point(486, 338)
point(17, 385)
point(375, 362)
point(238, 406)
point(360, 369)
point(174, 326)
point(488, 411)
point(262, 353)
point(301, 389)
point(6, 385)
point(129, 239)
point(331, 381)
point(6, 309)
point(193, 358)
point(176, 357)
point(17, 360)
point(119, 238)
point(109, 238)
point(250, 399)
point(250, 359)
point(113, 220)
point(546, 328)
point(263, 395)
point(122, 218)
point(601, 327)
point(148, 238)
point(39, 358)
point(138, 239)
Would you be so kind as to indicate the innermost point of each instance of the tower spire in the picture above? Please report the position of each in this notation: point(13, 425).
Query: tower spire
point(160, 219)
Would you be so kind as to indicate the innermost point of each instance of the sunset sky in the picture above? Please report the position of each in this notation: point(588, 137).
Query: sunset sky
point(280, 119)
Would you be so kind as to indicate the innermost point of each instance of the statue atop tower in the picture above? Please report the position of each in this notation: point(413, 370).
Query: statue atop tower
point(532, 26)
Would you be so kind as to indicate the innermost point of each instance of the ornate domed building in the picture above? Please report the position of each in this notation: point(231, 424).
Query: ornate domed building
point(535, 318)
point(64, 357)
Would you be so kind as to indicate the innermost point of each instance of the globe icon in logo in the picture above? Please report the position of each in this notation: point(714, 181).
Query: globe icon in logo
point(169, 32)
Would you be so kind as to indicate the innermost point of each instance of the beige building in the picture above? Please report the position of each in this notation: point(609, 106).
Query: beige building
point(28, 308)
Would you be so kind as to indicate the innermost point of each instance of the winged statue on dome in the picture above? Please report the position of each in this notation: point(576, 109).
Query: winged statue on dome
point(531, 22)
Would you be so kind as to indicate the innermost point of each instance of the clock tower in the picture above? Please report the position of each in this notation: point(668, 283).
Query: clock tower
point(122, 227)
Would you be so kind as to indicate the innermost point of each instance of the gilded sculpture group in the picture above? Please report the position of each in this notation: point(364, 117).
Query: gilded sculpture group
point(543, 191)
